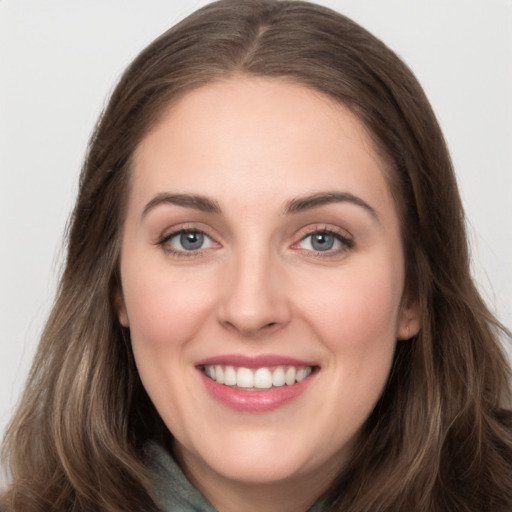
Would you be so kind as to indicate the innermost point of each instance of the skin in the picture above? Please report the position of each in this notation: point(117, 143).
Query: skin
point(256, 286)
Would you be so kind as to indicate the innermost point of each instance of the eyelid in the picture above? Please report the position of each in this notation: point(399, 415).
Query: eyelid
point(341, 235)
point(170, 233)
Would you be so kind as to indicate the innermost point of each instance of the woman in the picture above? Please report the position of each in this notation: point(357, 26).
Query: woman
point(267, 301)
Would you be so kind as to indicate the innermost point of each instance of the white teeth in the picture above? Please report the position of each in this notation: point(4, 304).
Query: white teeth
point(260, 378)
point(210, 371)
point(302, 374)
point(244, 378)
point(290, 376)
point(219, 374)
point(278, 377)
point(230, 376)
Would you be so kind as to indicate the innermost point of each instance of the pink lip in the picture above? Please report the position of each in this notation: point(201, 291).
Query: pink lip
point(267, 360)
point(251, 400)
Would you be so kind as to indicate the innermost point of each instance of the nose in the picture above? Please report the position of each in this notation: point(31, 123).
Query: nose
point(254, 299)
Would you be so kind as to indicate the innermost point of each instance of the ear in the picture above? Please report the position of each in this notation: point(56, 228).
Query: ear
point(409, 320)
point(120, 307)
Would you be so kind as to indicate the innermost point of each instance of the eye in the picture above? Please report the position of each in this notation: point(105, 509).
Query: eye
point(187, 240)
point(321, 241)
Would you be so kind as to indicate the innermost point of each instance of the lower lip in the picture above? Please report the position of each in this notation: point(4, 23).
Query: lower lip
point(255, 401)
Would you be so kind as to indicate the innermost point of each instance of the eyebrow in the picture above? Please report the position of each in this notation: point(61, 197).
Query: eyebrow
point(296, 205)
point(193, 201)
point(301, 204)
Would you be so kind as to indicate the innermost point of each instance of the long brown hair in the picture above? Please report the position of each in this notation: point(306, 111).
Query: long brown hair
point(440, 436)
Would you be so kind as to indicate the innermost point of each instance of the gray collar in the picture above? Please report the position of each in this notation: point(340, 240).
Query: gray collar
point(175, 493)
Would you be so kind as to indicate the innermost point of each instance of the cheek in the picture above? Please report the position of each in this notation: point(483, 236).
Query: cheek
point(355, 316)
point(362, 339)
point(358, 308)
point(164, 308)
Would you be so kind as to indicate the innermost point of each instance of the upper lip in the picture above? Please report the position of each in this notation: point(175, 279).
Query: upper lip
point(260, 361)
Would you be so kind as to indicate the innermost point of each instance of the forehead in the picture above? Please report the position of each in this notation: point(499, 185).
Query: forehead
point(256, 136)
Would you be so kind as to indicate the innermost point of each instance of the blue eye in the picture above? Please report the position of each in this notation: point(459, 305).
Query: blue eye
point(322, 241)
point(187, 241)
point(325, 241)
point(191, 241)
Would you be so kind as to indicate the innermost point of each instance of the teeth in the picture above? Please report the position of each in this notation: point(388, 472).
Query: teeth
point(210, 371)
point(230, 376)
point(244, 378)
point(260, 378)
point(302, 374)
point(290, 376)
point(278, 377)
point(219, 374)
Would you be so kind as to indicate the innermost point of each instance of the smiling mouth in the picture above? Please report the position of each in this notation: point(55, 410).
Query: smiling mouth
point(257, 378)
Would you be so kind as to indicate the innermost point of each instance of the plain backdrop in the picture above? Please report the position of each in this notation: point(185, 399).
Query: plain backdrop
point(59, 60)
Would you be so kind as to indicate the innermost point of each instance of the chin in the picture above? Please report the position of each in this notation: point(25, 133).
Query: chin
point(259, 469)
point(268, 457)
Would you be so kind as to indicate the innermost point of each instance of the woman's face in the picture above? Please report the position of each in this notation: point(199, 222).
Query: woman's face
point(262, 248)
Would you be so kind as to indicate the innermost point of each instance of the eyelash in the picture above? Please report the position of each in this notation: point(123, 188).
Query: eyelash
point(345, 242)
point(183, 253)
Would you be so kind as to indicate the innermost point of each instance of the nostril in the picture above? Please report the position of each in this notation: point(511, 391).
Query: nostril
point(270, 327)
point(252, 330)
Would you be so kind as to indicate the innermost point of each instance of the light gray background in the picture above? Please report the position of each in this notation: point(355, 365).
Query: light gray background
point(59, 61)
